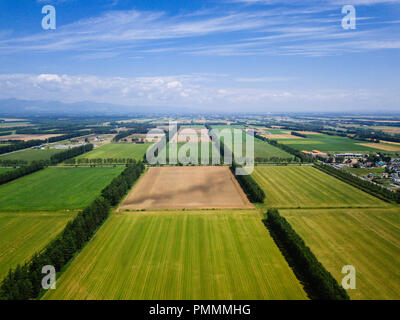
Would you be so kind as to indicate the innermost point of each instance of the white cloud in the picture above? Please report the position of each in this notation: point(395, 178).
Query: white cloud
point(183, 91)
point(263, 79)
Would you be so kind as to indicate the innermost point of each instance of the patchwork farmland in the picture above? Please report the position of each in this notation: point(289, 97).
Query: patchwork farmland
point(180, 255)
point(189, 231)
point(51, 198)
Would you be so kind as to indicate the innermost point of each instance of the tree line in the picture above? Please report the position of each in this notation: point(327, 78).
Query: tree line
point(99, 161)
point(66, 156)
point(298, 134)
point(366, 186)
point(121, 184)
point(368, 134)
point(70, 153)
point(20, 146)
point(319, 283)
point(135, 128)
point(123, 135)
point(20, 172)
point(24, 282)
point(249, 186)
point(13, 162)
point(33, 143)
point(272, 160)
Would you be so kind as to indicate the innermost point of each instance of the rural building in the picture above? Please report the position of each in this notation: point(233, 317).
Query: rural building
point(349, 155)
point(315, 153)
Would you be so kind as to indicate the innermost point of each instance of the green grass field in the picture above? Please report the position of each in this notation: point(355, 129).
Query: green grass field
point(326, 143)
point(181, 146)
point(118, 151)
point(368, 239)
point(262, 149)
point(23, 234)
point(56, 189)
point(30, 155)
point(180, 255)
point(274, 131)
point(307, 187)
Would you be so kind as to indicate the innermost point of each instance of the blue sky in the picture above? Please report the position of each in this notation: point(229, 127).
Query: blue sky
point(219, 55)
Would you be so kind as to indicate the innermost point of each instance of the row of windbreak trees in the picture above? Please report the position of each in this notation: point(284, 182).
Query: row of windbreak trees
point(70, 153)
point(20, 172)
point(24, 282)
point(39, 165)
point(140, 128)
point(366, 186)
point(298, 134)
point(99, 161)
point(33, 143)
point(248, 184)
point(319, 283)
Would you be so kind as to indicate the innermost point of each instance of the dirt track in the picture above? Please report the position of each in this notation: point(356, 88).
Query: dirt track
point(186, 188)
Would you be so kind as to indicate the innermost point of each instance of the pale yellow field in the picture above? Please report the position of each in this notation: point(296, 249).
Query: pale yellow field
point(389, 129)
point(368, 239)
point(213, 254)
point(381, 146)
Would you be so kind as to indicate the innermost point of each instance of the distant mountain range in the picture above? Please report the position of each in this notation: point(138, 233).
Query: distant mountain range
point(42, 107)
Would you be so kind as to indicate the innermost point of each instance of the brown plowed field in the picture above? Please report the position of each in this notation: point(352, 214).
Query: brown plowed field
point(186, 188)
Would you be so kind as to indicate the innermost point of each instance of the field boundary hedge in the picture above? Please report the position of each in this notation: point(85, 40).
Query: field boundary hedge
point(318, 282)
point(298, 134)
point(40, 165)
point(20, 172)
point(33, 143)
point(24, 282)
point(70, 153)
point(249, 186)
point(366, 186)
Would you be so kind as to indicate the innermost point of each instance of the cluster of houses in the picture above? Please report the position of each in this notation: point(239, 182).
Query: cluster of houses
point(76, 142)
point(394, 166)
point(351, 155)
point(392, 173)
